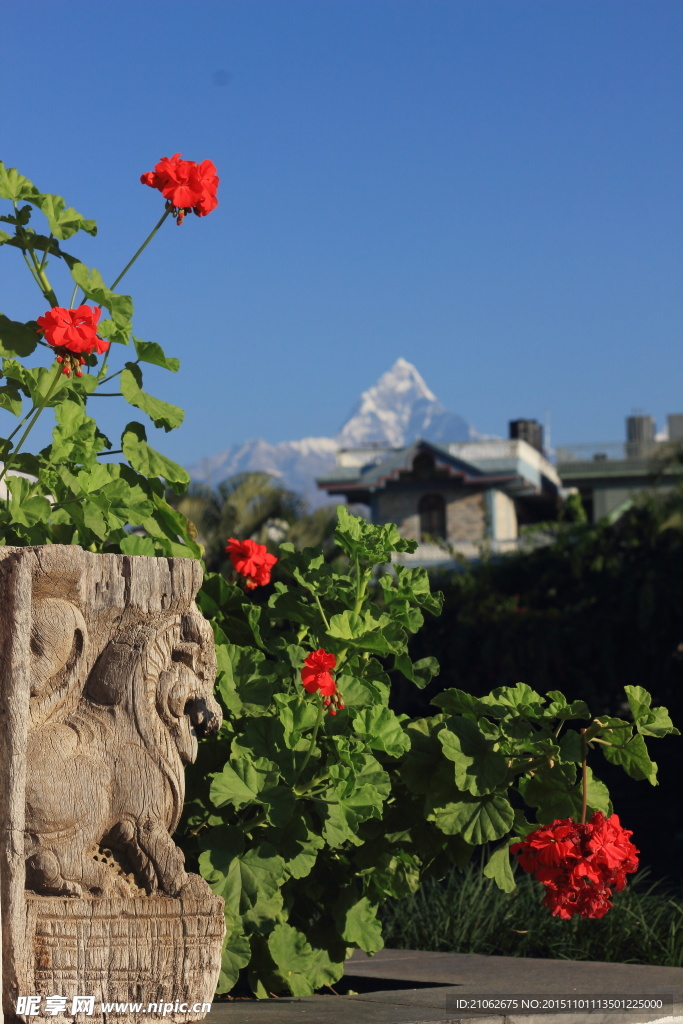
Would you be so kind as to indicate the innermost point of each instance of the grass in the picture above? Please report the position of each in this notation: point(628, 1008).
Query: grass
point(468, 913)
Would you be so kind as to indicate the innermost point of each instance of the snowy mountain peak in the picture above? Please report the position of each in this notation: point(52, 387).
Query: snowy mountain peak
point(399, 408)
point(394, 412)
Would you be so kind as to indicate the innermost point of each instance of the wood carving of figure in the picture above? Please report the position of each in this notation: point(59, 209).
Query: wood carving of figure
point(106, 751)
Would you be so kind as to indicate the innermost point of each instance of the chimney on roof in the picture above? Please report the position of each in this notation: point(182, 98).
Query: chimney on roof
point(674, 422)
point(640, 436)
point(530, 431)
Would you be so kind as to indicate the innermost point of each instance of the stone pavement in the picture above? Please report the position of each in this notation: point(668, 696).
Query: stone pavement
point(405, 987)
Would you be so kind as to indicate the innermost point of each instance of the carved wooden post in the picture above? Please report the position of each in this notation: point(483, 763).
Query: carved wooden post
point(106, 680)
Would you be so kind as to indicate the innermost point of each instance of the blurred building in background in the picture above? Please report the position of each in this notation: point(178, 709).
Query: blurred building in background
point(609, 476)
point(452, 498)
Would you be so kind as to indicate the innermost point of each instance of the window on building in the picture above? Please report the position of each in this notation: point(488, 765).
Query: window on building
point(432, 510)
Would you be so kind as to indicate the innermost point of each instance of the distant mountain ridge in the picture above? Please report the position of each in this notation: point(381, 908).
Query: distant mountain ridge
point(394, 412)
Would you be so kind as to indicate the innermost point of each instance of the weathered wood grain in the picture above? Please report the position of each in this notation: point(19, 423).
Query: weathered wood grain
point(106, 681)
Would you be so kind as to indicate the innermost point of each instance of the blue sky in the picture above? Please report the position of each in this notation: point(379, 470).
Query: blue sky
point(491, 189)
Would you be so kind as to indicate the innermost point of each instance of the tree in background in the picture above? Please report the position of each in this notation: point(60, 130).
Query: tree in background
point(254, 506)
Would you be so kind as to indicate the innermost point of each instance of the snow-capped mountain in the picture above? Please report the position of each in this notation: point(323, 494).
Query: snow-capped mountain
point(394, 412)
point(399, 408)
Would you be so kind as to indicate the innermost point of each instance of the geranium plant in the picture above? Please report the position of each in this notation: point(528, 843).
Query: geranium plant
point(70, 491)
point(316, 801)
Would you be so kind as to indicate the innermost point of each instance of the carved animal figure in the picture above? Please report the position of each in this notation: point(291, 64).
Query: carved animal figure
point(108, 769)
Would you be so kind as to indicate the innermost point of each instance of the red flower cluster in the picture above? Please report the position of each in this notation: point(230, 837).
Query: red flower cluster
point(251, 560)
point(73, 332)
point(185, 185)
point(315, 675)
point(579, 864)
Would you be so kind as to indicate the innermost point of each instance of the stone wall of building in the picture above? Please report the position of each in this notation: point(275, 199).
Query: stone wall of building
point(465, 513)
point(400, 507)
point(466, 516)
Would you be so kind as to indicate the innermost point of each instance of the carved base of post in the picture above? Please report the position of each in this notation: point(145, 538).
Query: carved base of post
point(138, 949)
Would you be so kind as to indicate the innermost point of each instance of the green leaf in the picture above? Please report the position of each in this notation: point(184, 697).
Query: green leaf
point(64, 221)
point(381, 730)
point(649, 721)
point(369, 631)
point(149, 462)
point(299, 845)
point(15, 186)
point(133, 544)
point(634, 759)
point(477, 821)
point(479, 767)
point(11, 398)
point(119, 306)
point(420, 766)
point(76, 438)
point(162, 414)
point(556, 793)
point(294, 956)
point(361, 927)
point(571, 747)
point(419, 672)
point(499, 868)
point(248, 880)
point(561, 708)
point(24, 510)
point(356, 794)
point(17, 339)
point(151, 352)
point(236, 953)
point(457, 702)
point(520, 698)
point(241, 781)
point(370, 544)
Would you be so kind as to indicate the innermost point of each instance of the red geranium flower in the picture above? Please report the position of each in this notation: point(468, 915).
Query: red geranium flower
point(73, 329)
point(315, 675)
point(251, 560)
point(72, 332)
point(579, 864)
point(185, 185)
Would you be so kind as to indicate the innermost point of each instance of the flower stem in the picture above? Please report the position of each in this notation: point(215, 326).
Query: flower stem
point(314, 736)
point(39, 409)
point(320, 609)
point(144, 245)
point(584, 777)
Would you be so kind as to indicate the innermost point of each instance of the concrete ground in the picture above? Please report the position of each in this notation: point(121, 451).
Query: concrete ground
point(405, 987)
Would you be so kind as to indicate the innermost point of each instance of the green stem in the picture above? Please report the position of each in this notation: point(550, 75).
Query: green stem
point(320, 609)
point(39, 409)
point(112, 375)
point(314, 736)
point(20, 424)
point(361, 587)
point(584, 776)
point(127, 267)
point(144, 245)
point(47, 249)
point(36, 268)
